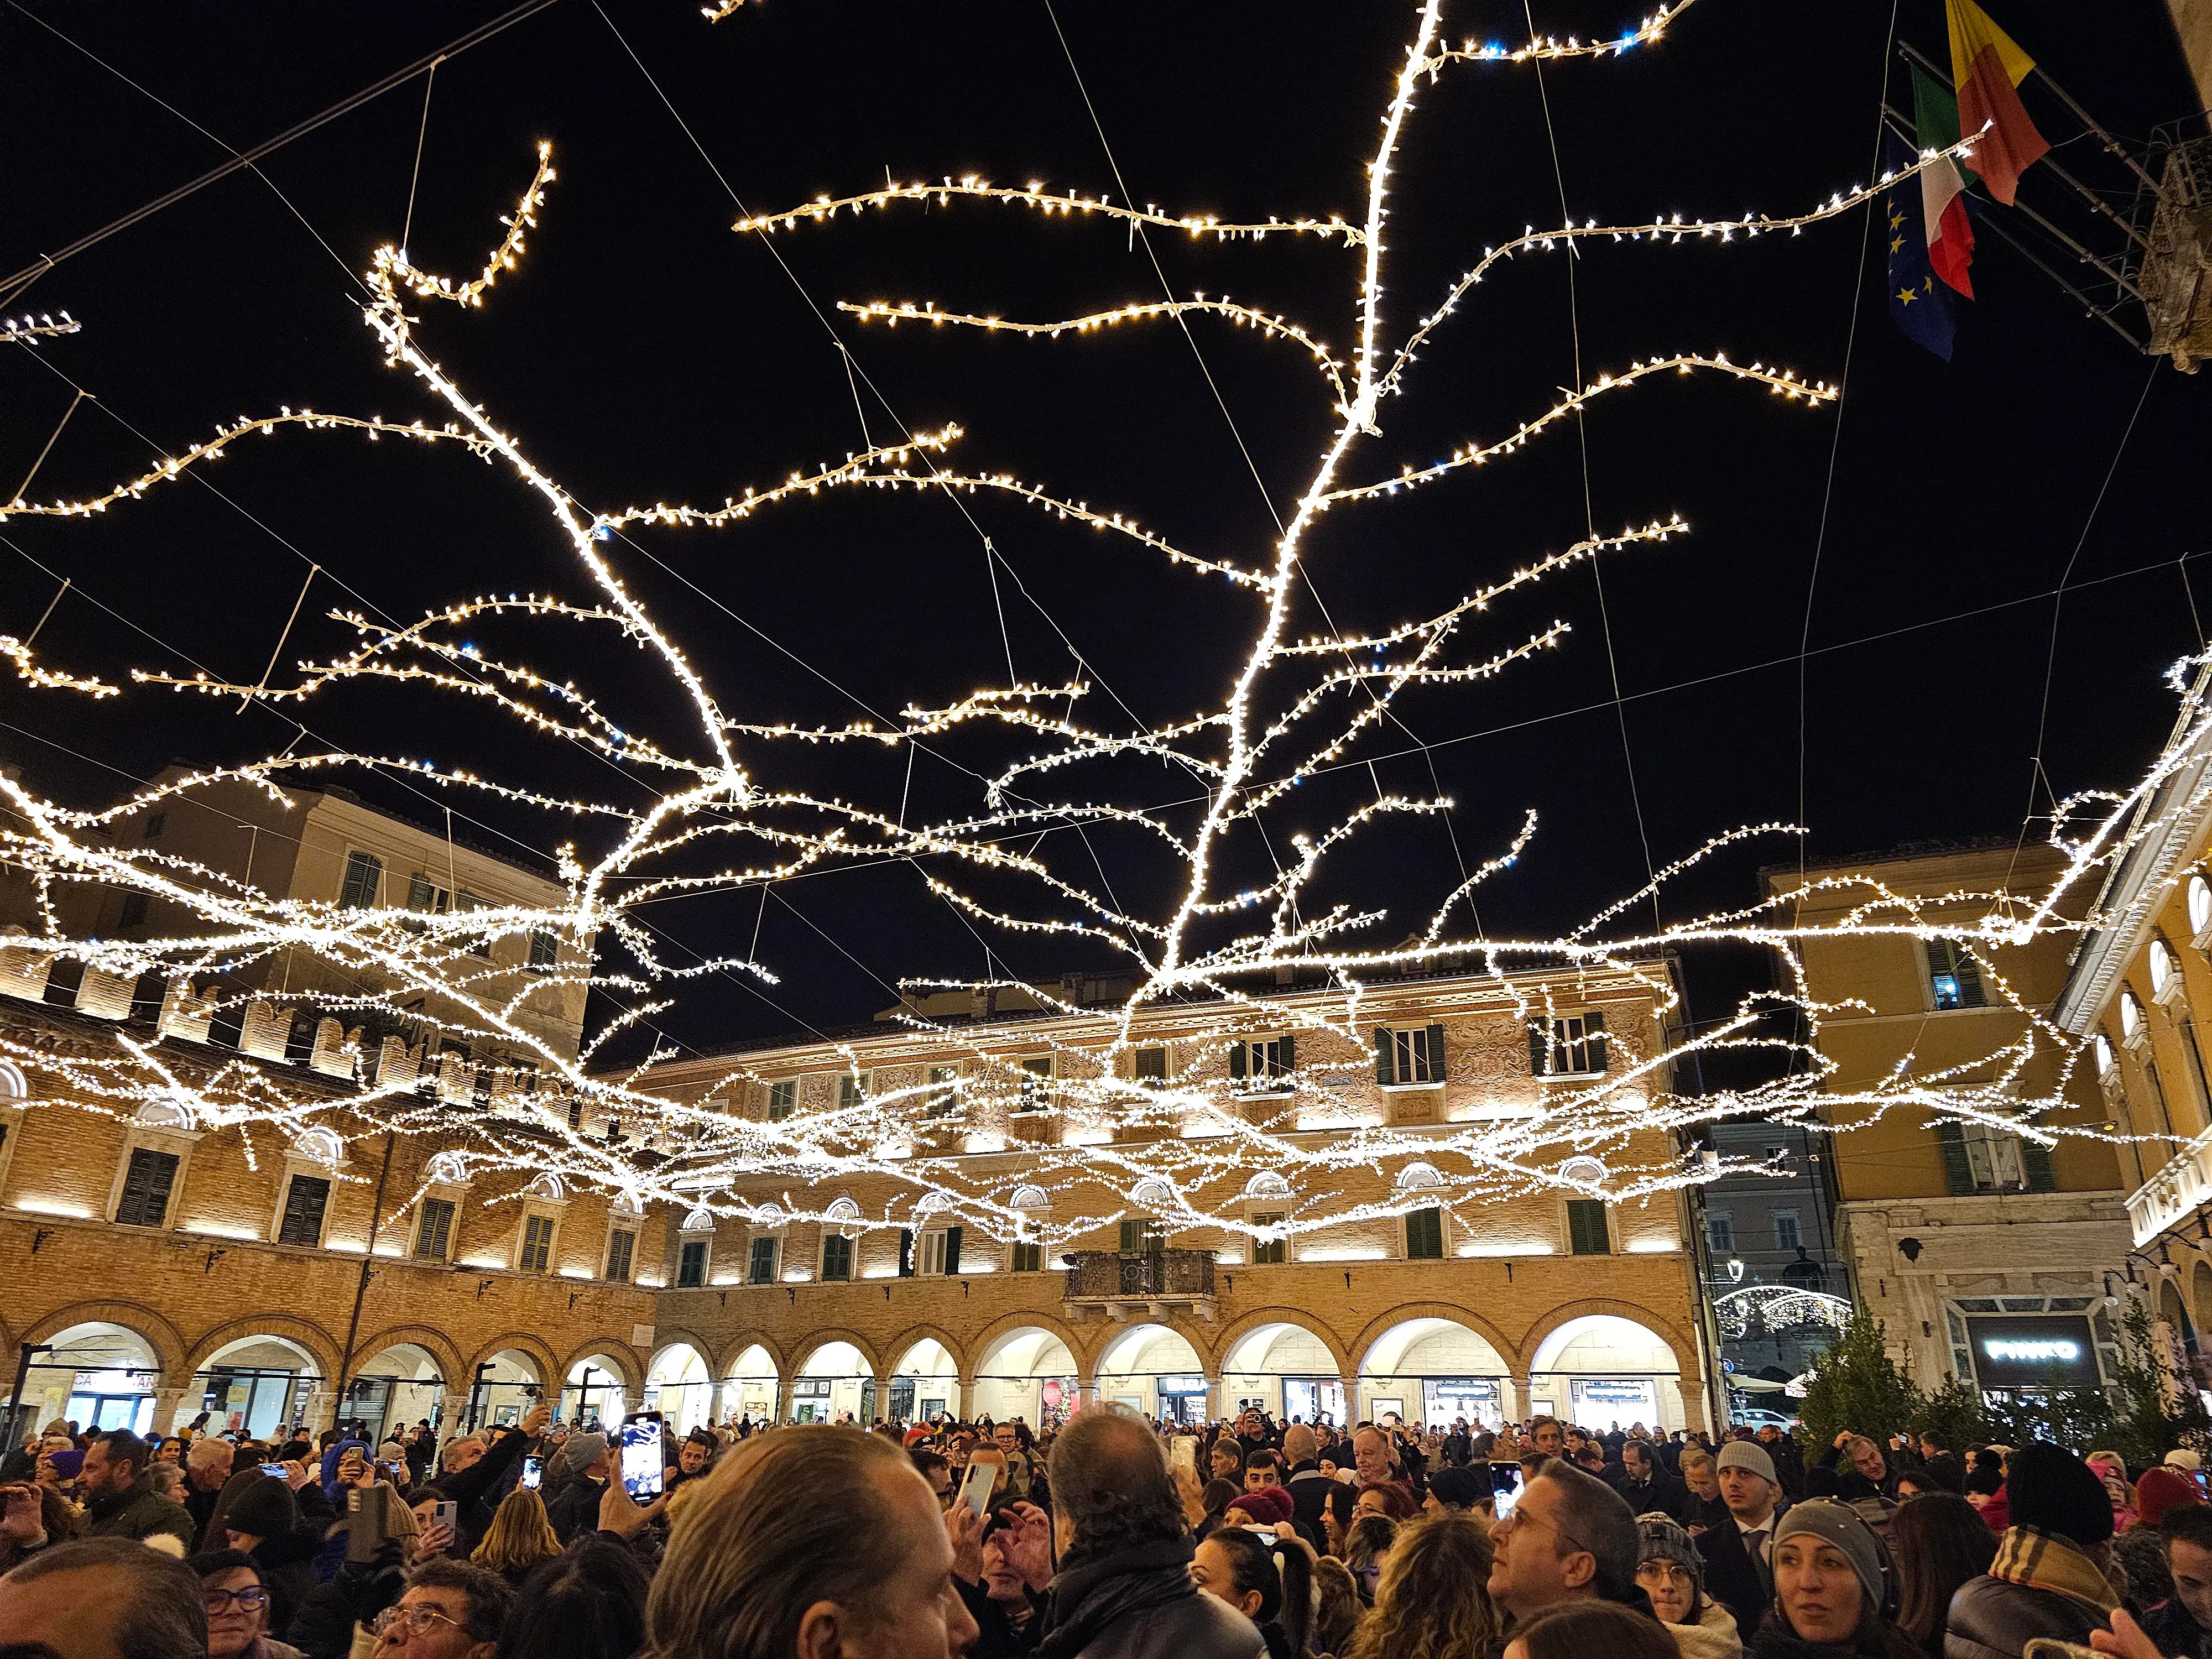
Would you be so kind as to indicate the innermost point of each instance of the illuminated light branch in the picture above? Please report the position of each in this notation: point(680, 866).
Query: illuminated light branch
point(392, 262)
point(1547, 49)
point(1783, 382)
point(49, 678)
point(1662, 230)
point(1271, 326)
point(1037, 196)
point(854, 470)
point(28, 330)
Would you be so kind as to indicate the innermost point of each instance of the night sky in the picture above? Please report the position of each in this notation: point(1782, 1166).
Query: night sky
point(646, 352)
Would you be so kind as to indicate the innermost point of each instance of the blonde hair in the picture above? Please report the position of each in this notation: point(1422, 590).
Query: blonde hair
point(1696, 1457)
point(785, 1520)
point(1434, 1597)
point(521, 1535)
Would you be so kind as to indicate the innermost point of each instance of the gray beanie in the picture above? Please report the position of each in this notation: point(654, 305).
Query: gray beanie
point(1662, 1538)
point(1839, 1524)
point(1746, 1455)
point(582, 1450)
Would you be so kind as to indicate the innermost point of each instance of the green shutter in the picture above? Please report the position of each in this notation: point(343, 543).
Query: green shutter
point(1133, 1237)
point(1958, 1174)
point(1970, 978)
point(1289, 1051)
point(1587, 1233)
point(1236, 1058)
point(2035, 1160)
point(1540, 1047)
point(1594, 1043)
point(906, 1253)
point(1435, 1036)
point(952, 1249)
point(1424, 1234)
point(1385, 1073)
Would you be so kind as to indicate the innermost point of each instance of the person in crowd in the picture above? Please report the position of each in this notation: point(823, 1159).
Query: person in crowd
point(1272, 1586)
point(1225, 1460)
point(2179, 1626)
point(1388, 1498)
point(1432, 1597)
point(237, 1607)
point(932, 1467)
point(813, 1542)
point(34, 1517)
point(1938, 1542)
point(1457, 1489)
point(1263, 1467)
point(2046, 1578)
point(1307, 1485)
point(110, 1595)
point(450, 1610)
point(573, 1506)
point(1648, 1489)
point(207, 1466)
point(264, 1523)
point(1702, 1480)
point(1006, 1436)
point(587, 1603)
point(1830, 1589)
point(1985, 1487)
point(1671, 1572)
point(1213, 1501)
point(2160, 1492)
point(120, 1501)
point(1739, 1550)
point(1337, 1516)
point(1268, 1506)
point(694, 1455)
point(475, 1470)
point(1337, 1609)
point(1579, 1630)
point(1866, 1460)
point(1015, 1563)
point(1367, 1544)
point(1938, 1463)
point(1569, 1538)
point(521, 1539)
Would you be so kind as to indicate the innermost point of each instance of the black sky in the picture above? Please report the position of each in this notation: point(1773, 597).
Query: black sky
point(645, 352)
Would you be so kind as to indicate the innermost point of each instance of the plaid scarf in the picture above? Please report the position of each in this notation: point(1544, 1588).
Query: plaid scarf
point(2045, 1561)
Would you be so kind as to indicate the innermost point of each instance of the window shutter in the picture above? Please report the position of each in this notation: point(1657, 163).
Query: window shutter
point(1133, 1237)
point(952, 1249)
point(906, 1253)
point(1424, 1234)
point(1435, 1036)
point(1385, 1073)
point(2035, 1163)
point(1236, 1058)
point(1289, 1051)
point(1970, 978)
point(1958, 1174)
point(1587, 1233)
point(145, 1201)
point(1540, 1047)
point(305, 1200)
point(1600, 1051)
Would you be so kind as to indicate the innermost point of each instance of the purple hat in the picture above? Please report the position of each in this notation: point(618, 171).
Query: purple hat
point(1267, 1505)
point(68, 1462)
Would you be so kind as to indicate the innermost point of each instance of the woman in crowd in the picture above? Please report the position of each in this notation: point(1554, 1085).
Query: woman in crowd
point(1337, 1608)
point(1829, 1591)
point(2112, 1469)
point(1271, 1585)
point(1670, 1570)
point(1213, 1502)
point(1432, 1597)
point(588, 1603)
point(1367, 1542)
point(1336, 1516)
point(1585, 1630)
point(238, 1605)
point(1388, 1499)
point(1938, 1543)
point(521, 1538)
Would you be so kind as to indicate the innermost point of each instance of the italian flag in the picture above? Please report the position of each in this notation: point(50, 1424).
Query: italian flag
point(1987, 68)
point(1942, 189)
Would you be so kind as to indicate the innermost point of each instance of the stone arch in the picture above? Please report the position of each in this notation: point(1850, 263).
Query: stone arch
point(521, 1342)
point(1173, 1327)
point(900, 1346)
point(734, 1349)
point(1685, 1351)
point(665, 1337)
point(2200, 1295)
point(1238, 1329)
point(300, 1333)
point(818, 1340)
point(1511, 1351)
point(141, 1321)
point(436, 1344)
point(606, 1347)
point(1015, 1321)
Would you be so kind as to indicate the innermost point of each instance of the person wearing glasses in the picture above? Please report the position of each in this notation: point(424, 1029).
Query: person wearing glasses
point(237, 1608)
point(451, 1611)
point(1570, 1538)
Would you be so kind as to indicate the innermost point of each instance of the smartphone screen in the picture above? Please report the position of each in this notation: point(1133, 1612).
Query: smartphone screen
point(975, 1486)
point(533, 1471)
point(276, 1469)
point(366, 1527)
point(641, 1455)
point(1183, 1453)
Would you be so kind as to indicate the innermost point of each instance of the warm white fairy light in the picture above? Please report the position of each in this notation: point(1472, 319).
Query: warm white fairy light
point(1206, 972)
point(28, 330)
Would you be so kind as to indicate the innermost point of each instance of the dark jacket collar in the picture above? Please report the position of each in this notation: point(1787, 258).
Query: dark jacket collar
point(1095, 1590)
point(112, 1503)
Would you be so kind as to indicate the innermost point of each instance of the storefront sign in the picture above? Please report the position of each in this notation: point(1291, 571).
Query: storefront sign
point(2033, 1350)
point(1181, 1385)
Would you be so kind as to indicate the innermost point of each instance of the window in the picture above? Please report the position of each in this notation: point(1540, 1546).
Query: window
point(146, 1184)
point(691, 1264)
point(759, 1264)
point(2200, 903)
point(1033, 1074)
point(939, 1252)
point(851, 1091)
point(836, 1257)
point(433, 1229)
point(1980, 1159)
point(1576, 1046)
point(943, 1099)
point(427, 897)
point(782, 1099)
point(1262, 1066)
point(1409, 1058)
point(1788, 1236)
point(1587, 1234)
point(1954, 977)
point(364, 879)
point(1424, 1234)
point(536, 1243)
point(1720, 1232)
point(1268, 1252)
point(1028, 1256)
point(305, 1201)
point(160, 821)
point(621, 1245)
point(544, 951)
point(133, 912)
point(1149, 1064)
point(2132, 1030)
point(1143, 1236)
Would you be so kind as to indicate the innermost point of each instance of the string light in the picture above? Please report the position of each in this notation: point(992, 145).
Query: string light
point(1204, 976)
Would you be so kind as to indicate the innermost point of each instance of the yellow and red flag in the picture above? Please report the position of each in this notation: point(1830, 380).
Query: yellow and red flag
point(1987, 68)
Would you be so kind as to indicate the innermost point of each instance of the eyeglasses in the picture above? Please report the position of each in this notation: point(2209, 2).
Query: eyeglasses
point(1663, 1572)
point(420, 1619)
point(252, 1599)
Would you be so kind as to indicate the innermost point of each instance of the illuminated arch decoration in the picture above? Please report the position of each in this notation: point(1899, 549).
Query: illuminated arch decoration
point(1777, 1307)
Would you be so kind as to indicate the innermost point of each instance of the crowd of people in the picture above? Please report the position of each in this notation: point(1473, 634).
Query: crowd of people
point(1107, 1535)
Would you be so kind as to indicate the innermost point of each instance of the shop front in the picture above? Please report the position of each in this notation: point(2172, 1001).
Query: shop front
point(1612, 1402)
point(2028, 1355)
point(1314, 1399)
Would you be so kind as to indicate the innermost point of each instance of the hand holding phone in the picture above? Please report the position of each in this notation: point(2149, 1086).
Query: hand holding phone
point(641, 1455)
point(367, 1527)
point(975, 1486)
point(533, 1471)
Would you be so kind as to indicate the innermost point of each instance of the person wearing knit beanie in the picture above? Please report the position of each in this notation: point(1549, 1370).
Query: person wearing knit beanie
point(1660, 1538)
point(1457, 1489)
point(1831, 1522)
point(2053, 1491)
point(1268, 1506)
point(264, 1509)
point(2160, 1492)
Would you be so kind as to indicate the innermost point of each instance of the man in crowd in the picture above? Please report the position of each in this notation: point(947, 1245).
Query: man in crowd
point(1703, 1482)
point(2179, 1626)
point(932, 1466)
point(1570, 1538)
point(207, 1466)
point(1308, 1486)
point(119, 1495)
point(573, 1506)
point(104, 1598)
point(475, 1470)
point(1546, 1437)
point(692, 1458)
point(1018, 1460)
point(1866, 1459)
point(1739, 1550)
point(450, 1610)
point(1647, 1488)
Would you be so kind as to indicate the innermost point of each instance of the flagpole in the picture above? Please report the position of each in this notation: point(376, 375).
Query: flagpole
point(1943, 77)
point(2089, 121)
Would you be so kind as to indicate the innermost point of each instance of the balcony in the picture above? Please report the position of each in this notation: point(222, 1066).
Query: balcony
point(2174, 1194)
point(1151, 1285)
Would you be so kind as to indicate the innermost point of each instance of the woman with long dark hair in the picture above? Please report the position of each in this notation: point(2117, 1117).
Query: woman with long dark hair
point(1938, 1541)
point(1270, 1581)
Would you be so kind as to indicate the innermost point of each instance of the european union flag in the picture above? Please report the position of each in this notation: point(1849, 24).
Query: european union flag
point(1921, 304)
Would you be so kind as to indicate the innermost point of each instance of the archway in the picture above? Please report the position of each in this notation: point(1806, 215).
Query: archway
point(1432, 1370)
point(925, 1383)
point(595, 1395)
point(2200, 1296)
point(836, 1382)
point(256, 1385)
point(1287, 1370)
point(99, 1374)
point(395, 1386)
point(1155, 1369)
point(679, 1386)
point(506, 1386)
point(1026, 1371)
point(1602, 1370)
point(750, 1387)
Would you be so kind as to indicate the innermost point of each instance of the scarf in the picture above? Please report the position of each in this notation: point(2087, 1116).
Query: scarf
point(2046, 1561)
point(1093, 1592)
